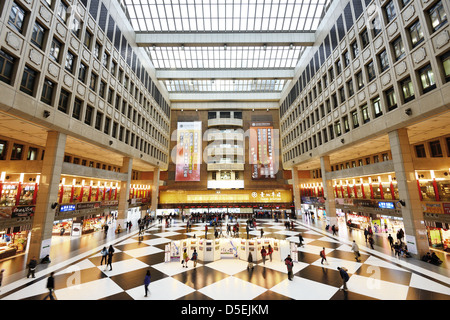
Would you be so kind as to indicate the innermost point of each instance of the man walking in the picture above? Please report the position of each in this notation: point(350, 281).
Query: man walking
point(345, 277)
point(355, 249)
point(289, 264)
point(50, 286)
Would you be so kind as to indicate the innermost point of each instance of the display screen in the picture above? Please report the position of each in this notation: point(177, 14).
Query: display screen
point(189, 151)
point(386, 205)
point(262, 151)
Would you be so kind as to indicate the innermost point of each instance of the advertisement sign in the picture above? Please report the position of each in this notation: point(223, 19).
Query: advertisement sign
point(446, 207)
point(24, 211)
point(189, 151)
point(67, 207)
point(262, 151)
point(432, 208)
point(386, 205)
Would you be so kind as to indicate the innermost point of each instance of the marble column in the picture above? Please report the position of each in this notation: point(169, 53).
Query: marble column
point(328, 191)
point(296, 193)
point(41, 232)
point(155, 190)
point(415, 230)
point(122, 210)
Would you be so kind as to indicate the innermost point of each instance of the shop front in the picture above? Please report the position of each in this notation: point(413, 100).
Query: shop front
point(437, 221)
point(314, 206)
point(13, 243)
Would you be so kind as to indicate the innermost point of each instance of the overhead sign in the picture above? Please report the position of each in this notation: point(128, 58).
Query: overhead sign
point(262, 151)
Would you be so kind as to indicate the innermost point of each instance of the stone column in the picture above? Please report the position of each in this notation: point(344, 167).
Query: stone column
point(122, 210)
point(296, 192)
point(415, 229)
point(328, 191)
point(155, 190)
point(41, 232)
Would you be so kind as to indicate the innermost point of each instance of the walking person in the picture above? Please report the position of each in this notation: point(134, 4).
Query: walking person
point(50, 287)
point(323, 256)
point(366, 233)
point(345, 277)
point(289, 265)
point(206, 231)
point(270, 251)
point(104, 254)
point(185, 259)
point(194, 257)
point(300, 239)
point(391, 241)
point(32, 267)
point(371, 242)
point(110, 256)
point(263, 255)
point(147, 282)
point(355, 249)
point(250, 261)
point(262, 232)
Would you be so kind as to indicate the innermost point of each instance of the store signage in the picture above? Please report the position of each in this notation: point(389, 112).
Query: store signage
point(67, 207)
point(87, 205)
point(386, 205)
point(432, 208)
point(25, 211)
point(446, 208)
point(189, 151)
point(365, 203)
point(110, 203)
point(262, 153)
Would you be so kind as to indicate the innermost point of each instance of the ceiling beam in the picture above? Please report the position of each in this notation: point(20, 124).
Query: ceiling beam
point(214, 39)
point(224, 96)
point(238, 74)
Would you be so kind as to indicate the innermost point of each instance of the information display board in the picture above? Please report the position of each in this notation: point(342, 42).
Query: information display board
point(189, 151)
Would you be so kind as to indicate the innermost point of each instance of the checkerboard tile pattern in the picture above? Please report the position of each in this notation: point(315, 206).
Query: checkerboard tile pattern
point(228, 279)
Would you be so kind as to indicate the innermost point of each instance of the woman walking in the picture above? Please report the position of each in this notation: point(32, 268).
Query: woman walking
point(147, 282)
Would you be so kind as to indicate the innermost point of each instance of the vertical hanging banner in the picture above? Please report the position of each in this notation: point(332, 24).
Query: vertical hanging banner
point(189, 151)
point(263, 154)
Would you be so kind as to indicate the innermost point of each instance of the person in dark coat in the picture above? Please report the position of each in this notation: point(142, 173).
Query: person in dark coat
point(32, 267)
point(289, 264)
point(147, 282)
point(345, 277)
point(50, 287)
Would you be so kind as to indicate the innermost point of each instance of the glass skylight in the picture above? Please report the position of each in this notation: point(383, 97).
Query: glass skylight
point(219, 58)
point(256, 85)
point(224, 15)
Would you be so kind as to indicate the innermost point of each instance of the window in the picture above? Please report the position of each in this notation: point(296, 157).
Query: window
point(445, 60)
point(355, 49)
point(77, 109)
point(342, 94)
point(7, 63)
point(70, 61)
point(391, 99)
point(225, 115)
point(55, 50)
point(404, 2)
point(32, 153)
point(376, 26)
point(398, 48)
point(88, 40)
point(38, 34)
point(17, 152)
point(384, 61)
point(365, 113)
point(338, 67)
point(63, 104)
point(76, 25)
point(331, 73)
point(359, 80)
point(97, 50)
point(82, 72)
point(47, 92)
point(113, 68)
point(107, 125)
point(93, 82)
point(370, 71)
point(427, 78)
point(416, 34)
point(377, 107)
point(337, 128)
point(61, 11)
point(102, 90)
point(17, 17)
point(435, 148)
point(346, 124)
point(88, 115)
point(355, 119)
point(365, 38)
point(407, 89)
point(238, 115)
point(420, 151)
point(114, 130)
point(27, 84)
point(389, 10)
point(437, 16)
point(346, 57)
point(105, 60)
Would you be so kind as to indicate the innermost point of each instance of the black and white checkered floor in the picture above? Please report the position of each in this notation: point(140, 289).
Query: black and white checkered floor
point(377, 276)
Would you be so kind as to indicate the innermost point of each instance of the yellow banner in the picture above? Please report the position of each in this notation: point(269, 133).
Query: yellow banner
point(228, 196)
